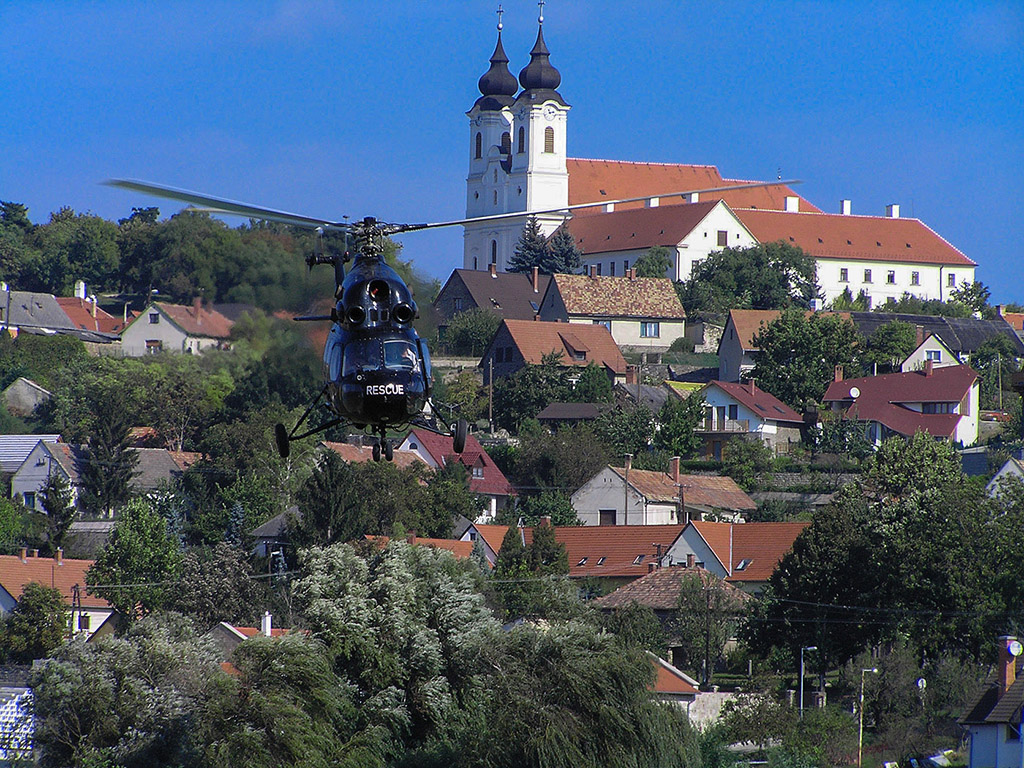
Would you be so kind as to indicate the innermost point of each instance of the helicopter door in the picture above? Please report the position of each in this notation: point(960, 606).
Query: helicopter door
point(425, 365)
point(361, 355)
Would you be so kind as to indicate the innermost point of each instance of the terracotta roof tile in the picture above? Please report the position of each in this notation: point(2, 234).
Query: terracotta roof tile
point(749, 552)
point(207, 322)
point(881, 398)
point(659, 590)
point(596, 180)
point(358, 454)
point(764, 404)
point(16, 573)
point(669, 680)
point(441, 448)
point(612, 550)
point(749, 322)
point(461, 549)
point(630, 229)
point(536, 339)
point(492, 535)
point(707, 491)
point(642, 297)
point(868, 238)
point(79, 312)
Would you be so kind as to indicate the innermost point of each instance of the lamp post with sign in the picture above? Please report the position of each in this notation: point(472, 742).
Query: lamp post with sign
point(860, 713)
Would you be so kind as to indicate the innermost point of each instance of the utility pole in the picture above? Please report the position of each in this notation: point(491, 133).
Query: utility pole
point(490, 396)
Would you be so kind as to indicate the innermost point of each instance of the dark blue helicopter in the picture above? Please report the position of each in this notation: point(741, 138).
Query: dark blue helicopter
point(376, 367)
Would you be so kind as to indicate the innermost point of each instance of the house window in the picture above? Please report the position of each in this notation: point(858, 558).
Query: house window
point(457, 305)
point(625, 266)
point(867, 275)
point(935, 355)
point(606, 323)
point(844, 275)
point(479, 146)
point(84, 621)
point(549, 141)
point(936, 407)
point(723, 237)
point(494, 197)
point(478, 472)
point(30, 499)
point(650, 330)
point(733, 412)
point(506, 144)
point(890, 277)
point(607, 517)
point(154, 318)
point(598, 269)
point(521, 146)
point(153, 346)
point(915, 278)
point(611, 269)
point(951, 280)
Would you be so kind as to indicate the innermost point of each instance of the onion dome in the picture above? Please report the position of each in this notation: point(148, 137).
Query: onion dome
point(498, 85)
point(539, 78)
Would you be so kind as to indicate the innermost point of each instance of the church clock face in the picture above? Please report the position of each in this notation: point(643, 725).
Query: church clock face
point(550, 112)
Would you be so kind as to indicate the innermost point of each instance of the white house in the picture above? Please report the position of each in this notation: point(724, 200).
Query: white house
point(162, 327)
point(993, 718)
point(930, 349)
point(734, 408)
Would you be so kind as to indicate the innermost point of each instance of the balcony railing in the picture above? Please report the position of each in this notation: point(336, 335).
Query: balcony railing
point(724, 425)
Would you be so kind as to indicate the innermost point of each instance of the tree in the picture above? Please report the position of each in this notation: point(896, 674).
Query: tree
point(555, 505)
point(975, 297)
point(60, 512)
point(656, 262)
point(135, 570)
point(467, 394)
point(890, 345)
point(746, 461)
point(799, 353)
point(470, 332)
point(329, 508)
point(217, 586)
point(845, 302)
point(530, 390)
point(996, 361)
point(678, 421)
point(765, 276)
point(564, 257)
point(531, 250)
point(908, 304)
point(706, 617)
point(562, 461)
point(36, 626)
point(627, 429)
point(593, 386)
point(106, 465)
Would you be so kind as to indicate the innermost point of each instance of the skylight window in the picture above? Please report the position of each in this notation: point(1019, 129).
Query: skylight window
point(742, 566)
point(535, 307)
point(639, 560)
point(601, 560)
point(583, 561)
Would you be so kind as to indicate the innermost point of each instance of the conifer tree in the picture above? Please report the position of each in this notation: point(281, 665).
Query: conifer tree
point(563, 257)
point(107, 464)
point(531, 250)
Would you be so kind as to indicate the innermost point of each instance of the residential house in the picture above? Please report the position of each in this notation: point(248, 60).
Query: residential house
point(672, 684)
point(509, 295)
point(634, 393)
point(1011, 471)
point(993, 718)
point(555, 415)
point(883, 256)
point(271, 536)
point(155, 467)
point(359, 454)
point(733, 409)
point(14, 449)
point(23, 396)
point(930, 348)
point(490, 538)
point(462, 550)
point(521, 342)
point(940, 401)
point(962, 335)
point(485, 479)
point(624, 496)
point(65, 574)
point(227, 636)
point(40, 314)
point(643, 314)
point(85, 314)
point(163, 327)
point(744, 554)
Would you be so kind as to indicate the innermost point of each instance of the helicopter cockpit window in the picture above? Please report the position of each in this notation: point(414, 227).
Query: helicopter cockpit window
point(400, 355)
point(360, 355)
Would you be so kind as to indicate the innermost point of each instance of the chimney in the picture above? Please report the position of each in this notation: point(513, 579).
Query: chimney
point(545, 521)
point(839, 373)
point(92, 301)
point(690, 559)
point(629, 461)
point(929, 367)
point(632, 273)
point(493, 269)
point(266, 625)
point(1007, 663)
point(846, 207)
point(753, 386)
point(536, 279)
point(593, 271)
point(792, 204)
point(33, 553)
point(59, 556)
point(609, 207)
point(653, 202)
point(80, 289)
point(673, 468)
point(197, 304)
point(410, 537)
point(919, 335)
point(651, 567)
point(892, 211)
point(694, 197)
point(23, 554)
point(631, 374)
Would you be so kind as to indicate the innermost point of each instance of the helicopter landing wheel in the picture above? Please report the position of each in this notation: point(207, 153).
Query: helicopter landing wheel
point(459, 440)
point(376, 451)
point(282, 440)
point(389, 451)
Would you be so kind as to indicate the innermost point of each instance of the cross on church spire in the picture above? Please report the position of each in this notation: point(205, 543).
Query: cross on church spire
point(500, 12)
point(540, 15)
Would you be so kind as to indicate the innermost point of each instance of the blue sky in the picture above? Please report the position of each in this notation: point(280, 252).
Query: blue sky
point(358, 108)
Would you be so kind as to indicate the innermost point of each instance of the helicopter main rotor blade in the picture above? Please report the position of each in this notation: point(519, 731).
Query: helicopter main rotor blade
point(201, 202)
point(399, 228)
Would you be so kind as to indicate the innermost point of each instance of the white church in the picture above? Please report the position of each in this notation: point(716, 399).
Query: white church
point(518, 163)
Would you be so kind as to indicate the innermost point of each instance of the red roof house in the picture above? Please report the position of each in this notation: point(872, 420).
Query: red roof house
point(524, 342)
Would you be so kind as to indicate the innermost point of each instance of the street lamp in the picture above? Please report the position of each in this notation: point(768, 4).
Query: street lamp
point(802, 649)
point(860, 737)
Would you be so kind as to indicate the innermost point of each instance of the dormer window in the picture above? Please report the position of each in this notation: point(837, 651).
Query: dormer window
point(478, 472)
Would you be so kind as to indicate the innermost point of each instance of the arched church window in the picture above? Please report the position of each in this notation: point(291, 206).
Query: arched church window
point(479, 146)
point(522, 140)
point(549, 140)
point(494, 251)
point(495, 201)
point(506, 144)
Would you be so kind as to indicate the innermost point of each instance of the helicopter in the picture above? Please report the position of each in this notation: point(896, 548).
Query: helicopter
point(377, 368)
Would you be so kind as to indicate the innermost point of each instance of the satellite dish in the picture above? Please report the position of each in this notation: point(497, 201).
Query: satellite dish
point(922, 683)
point(1015, 648)
point(854, 392)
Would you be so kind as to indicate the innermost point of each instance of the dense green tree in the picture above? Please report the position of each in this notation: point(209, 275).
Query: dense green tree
point(890, 345)
point(765, 276)
point(627, 429)
point(563, 460)
point(564, 257)
point(997, 362)
point(136, 570)
point(799, 353)
point(217, 586)
point(637, 625)
point(530, 390)
point(593, 386)
point(107, 463)
point(678, 421)
point(60, 511)
point(908, 304)
point(531, 250)
point(555, 505)
point(747, 461)
point(656, 262)
point(920, 464)
point(77, 247)
point(329, 509)
point(470, 332)
point(846, 302)
point(467, 395)
point(975, 297)
point(36, 626)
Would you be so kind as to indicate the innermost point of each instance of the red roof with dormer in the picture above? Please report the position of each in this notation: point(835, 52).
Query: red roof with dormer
point(63, 574)
point(765, 405)
point(484, 475)
point(88, 316)
point(612, 550)
point(749, 552)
